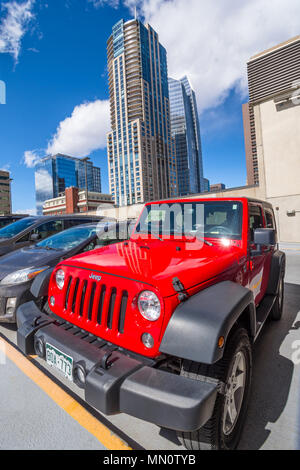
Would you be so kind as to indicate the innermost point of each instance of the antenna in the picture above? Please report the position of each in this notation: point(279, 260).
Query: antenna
point(135, 13)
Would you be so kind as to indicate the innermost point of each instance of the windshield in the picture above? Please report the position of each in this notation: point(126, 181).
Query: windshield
point(68, 239)
point(209, 219)
point(4, 222)
point(17, 227)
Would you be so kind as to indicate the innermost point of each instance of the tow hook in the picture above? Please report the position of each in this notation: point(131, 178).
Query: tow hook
point(105, 363)
point(179, 287)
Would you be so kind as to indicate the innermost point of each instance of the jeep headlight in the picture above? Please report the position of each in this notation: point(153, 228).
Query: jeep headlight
point(60, 278)
point(149, 305)
point(22, 275)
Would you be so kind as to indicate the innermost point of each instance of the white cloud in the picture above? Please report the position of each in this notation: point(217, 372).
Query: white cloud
point(14, 25)
point(31, 157)
point(5, 167)
point(102, 3)
point(84, 131)
point(211, 42)
point(26, 211)
point(78, 135)
point(33, 49)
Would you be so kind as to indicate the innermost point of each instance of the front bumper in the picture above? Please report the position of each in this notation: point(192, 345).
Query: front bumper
point(117, 381)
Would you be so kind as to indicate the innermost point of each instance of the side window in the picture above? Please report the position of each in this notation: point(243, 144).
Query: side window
point(25, 238)
point(99, 243)
point(48, 228)
point(118, 233)
point(269, 219)
point(73, 222)
point(91, 246)
point(108, 238)
point(255, 218)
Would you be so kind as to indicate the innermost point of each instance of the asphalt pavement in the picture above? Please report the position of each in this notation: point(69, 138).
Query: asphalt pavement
point(35, 416)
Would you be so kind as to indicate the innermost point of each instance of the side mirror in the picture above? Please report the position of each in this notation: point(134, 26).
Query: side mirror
point(263, 237)
point(34, 237)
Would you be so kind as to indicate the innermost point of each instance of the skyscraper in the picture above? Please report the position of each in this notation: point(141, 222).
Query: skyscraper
point(53, 174)
point(141, 156)
point(185, 130)
point(5, 193)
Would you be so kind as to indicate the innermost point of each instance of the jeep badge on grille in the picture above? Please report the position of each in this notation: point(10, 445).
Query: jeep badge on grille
point(95, 277)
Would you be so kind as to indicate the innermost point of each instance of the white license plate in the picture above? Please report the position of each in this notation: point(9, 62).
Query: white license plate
point(60, 361)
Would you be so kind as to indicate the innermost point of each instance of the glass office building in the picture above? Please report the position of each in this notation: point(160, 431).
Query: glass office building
point(93, 176)
point(185, 130)
point(53, 174)
point(141, 152)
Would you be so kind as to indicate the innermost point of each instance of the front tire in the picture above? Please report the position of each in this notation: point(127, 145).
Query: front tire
point(223, 430)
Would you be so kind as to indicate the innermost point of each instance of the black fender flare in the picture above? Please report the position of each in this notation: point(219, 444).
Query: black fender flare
point(197, 324)
point(277, 268)
point(39, 287)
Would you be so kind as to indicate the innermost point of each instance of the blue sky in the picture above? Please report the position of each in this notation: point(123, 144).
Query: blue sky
point(54, 65)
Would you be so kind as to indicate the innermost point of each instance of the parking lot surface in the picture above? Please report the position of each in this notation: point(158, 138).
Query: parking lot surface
point(36, 415)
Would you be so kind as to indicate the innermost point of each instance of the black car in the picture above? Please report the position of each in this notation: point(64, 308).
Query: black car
point(10, 219)
point(29, 230)
point(18, 270)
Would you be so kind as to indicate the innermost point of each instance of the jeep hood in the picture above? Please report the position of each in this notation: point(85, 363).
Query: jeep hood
point(157, 262)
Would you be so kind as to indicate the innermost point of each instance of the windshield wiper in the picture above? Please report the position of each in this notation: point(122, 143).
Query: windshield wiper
point(202, 239)
point(46, 247)
point(205, 241)
point(157, 236)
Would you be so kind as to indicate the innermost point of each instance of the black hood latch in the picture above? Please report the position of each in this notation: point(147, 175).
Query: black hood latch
point(179, 287)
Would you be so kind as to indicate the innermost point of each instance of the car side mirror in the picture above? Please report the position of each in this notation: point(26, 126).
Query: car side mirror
point(34, 237)
point(263, 237)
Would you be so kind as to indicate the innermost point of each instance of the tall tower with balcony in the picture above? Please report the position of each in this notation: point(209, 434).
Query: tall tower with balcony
point(141, 151)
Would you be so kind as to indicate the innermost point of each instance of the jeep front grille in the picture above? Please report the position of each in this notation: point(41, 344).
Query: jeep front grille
point(97, 303)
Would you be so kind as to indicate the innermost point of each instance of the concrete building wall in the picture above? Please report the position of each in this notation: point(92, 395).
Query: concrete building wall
point(278, 144)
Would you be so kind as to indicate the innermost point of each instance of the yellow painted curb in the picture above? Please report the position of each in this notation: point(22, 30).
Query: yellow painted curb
point(63, 399)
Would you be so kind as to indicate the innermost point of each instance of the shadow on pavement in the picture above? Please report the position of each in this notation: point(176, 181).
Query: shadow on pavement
point(9, 326)
point(272, 373)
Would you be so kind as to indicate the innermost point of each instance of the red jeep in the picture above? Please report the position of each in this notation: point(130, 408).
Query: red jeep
point(162, 326)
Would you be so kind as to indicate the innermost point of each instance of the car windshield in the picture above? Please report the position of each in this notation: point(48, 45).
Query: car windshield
point(4, 222)
point(209, 219)
point(68, 239)
point(17, 227)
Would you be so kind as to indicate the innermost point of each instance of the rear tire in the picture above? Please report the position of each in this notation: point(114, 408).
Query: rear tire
point(277, 310)
point(224, 428)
